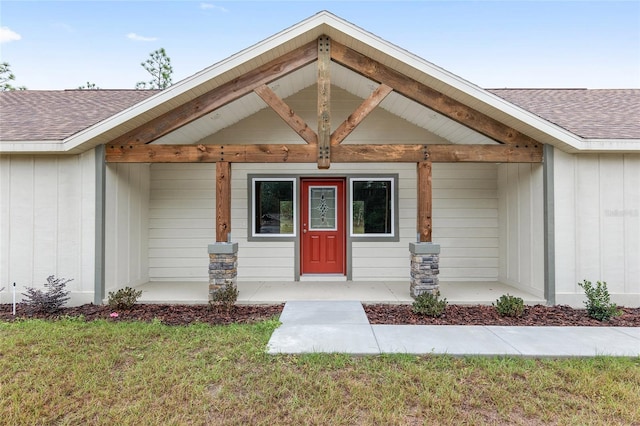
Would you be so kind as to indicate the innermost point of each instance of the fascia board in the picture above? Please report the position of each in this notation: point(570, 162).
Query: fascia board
point(611, 145)
point(32, 147)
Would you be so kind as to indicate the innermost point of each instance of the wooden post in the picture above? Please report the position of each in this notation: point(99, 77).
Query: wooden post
point(324, 97)
point(425, 201)
point(223, 201)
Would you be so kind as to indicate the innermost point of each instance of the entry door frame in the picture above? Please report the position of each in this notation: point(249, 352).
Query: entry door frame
point(340, 232)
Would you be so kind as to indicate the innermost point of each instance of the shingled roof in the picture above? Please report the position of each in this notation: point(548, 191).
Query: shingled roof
point(50, 115)
point(589, 113)
point(31, 115)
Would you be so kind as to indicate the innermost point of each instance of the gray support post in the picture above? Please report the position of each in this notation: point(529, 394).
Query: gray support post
point(549, 227)
point(98, 290)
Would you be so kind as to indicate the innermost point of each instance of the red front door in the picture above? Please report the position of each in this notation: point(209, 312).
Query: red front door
point(323, 226)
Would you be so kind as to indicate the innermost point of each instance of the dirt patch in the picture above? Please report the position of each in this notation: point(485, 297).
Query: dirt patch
point(538, 315)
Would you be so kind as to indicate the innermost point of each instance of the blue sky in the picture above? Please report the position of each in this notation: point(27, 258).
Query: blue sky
point(64, 44)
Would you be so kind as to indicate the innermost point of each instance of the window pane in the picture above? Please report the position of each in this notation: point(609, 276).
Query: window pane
point(274, 207)
point(322, 211)
point(371, 207)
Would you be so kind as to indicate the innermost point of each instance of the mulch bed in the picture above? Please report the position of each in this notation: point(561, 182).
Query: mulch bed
point(538, 315)
point(378, 314)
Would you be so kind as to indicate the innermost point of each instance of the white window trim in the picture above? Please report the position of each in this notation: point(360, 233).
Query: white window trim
point(294, 181)
point(392, 182)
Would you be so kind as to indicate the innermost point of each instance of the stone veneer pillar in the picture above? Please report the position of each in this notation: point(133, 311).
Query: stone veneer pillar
point(425, 267)
point(223, 266)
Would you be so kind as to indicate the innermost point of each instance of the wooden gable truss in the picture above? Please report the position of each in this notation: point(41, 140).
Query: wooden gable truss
point(322, 146)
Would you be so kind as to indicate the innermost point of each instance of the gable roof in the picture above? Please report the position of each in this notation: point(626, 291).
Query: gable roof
point(540, 120)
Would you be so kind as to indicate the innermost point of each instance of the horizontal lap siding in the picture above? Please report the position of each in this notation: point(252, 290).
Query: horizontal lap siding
point(465, 221)
point(181, 221)
point(47, 222)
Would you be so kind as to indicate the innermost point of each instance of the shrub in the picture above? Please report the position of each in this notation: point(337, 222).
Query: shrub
point(49, 300)
point(428, 304)
point(124, 298)
point(598, 302)
point(225, 297)
point(509, 306)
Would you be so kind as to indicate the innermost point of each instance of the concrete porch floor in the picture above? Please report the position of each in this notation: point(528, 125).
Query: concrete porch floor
point(369, 292)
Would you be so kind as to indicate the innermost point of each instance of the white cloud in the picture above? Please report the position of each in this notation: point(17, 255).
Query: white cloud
point(7, 35)
point(136, 37)
point(209, 6)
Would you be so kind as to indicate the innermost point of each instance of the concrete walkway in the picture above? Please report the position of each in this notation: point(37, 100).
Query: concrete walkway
point(342, 326)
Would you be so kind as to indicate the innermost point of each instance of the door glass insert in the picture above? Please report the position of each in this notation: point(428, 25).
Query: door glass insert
point(322, 208)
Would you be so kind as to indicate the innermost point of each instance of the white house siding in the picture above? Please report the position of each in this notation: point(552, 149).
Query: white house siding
point(126, 225)
point(521, 226)
point(181, 221)
point(465, 221)
point(47, 222)
point(597, 225)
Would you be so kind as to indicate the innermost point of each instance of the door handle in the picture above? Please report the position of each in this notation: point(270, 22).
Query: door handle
point(304, 231)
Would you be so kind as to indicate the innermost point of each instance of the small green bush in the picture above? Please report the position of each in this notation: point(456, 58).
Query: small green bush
point(49, 300)
point(224, 298)
point(509, 306)
point(598, 302)
point(124, 298)
point(428, 304)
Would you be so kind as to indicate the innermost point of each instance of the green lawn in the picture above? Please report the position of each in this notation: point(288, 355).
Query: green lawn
point(118, 373)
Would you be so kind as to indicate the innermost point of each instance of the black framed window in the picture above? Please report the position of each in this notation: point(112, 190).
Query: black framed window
point(372, 207)
point(273, 207)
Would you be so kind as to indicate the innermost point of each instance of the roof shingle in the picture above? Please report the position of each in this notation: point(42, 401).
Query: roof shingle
point(29, 115)
point(590, 113)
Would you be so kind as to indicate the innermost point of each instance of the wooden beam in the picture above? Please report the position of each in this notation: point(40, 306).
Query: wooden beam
point(305, 153)
point(223, 201)
point(429, 97)
point(425, 201)
point(294, 153)
point(347, 153)
point(369, 104)
point(287, 114)
point(210, 101)
point(324, 102)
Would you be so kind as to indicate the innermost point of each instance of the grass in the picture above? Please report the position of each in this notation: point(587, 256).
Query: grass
point(73, 372)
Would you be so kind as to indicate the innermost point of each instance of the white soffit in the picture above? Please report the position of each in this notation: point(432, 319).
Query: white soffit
point(341, 77)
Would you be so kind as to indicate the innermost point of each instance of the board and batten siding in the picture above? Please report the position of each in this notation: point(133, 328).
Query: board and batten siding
point(597, 225)
point(521, 226)
point(126, 225)
point(47, 223)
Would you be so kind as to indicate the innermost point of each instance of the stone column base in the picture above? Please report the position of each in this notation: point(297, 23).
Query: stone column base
point(223, 266)
point(425, 264)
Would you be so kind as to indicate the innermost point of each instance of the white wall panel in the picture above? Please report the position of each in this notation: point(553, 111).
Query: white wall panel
point(465, 221)
point(181, 221)
point(521, 226)
point(597, 232)
point(47, 218)
point(126, 225)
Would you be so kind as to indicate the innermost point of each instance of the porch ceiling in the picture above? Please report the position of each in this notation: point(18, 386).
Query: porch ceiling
point(341, 77)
